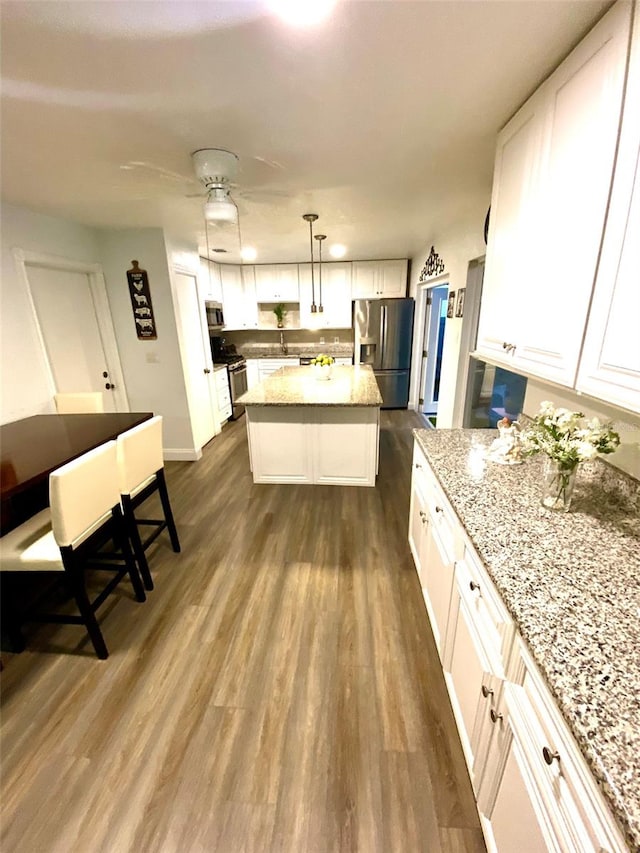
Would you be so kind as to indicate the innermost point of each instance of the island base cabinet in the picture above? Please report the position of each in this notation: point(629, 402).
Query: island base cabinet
point(313, 444)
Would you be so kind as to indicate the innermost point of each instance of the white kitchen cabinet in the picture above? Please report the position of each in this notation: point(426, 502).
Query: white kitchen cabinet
point(277, 283)
point(379, 279)
point(209, 283)
point(336, 296)
point(267, 366)
point(223, 393)
point(253, 373)
point(238, 297)
point(610, 361)
point(537, 792)
point(553, 173)
point(342, 360)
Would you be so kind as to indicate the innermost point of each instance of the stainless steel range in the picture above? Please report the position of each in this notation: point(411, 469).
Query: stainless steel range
point(223, 353)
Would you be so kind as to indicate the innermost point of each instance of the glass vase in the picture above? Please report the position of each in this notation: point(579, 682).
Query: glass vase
point(558, 483)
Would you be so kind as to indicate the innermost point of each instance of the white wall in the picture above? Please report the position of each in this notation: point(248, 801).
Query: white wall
point(456, 245)
point(627, 456)
point(152, 369)
point(24, 385)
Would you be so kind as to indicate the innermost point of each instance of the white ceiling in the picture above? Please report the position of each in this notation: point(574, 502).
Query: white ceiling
point(382, 120)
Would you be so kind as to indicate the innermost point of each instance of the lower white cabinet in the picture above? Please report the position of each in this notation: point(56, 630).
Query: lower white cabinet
point(267, 366)
point(534, 789)
point(223, 394)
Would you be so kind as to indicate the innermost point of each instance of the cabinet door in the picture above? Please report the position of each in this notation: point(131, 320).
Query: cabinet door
point(392, 278)
point(253, 372)
point(437, 581)
point(238, 297)
point(209, 283)
point(417, 523)
point(610, 361)
point(365, 279)
point(277, 283)
point(336, 296)
point(582, 114)
point(507, 286)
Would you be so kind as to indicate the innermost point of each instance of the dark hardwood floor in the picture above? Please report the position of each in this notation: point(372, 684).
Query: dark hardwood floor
point(279, 690)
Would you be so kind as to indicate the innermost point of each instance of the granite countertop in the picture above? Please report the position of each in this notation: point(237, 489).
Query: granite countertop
point(294, 350)
point(571, 581)
point(298, 386)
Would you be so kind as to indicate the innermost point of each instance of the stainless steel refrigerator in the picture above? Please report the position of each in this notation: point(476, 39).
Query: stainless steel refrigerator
point(383, 330)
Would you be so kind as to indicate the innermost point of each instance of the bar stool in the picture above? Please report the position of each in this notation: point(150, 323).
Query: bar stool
point(79, 403)
point(141, 471)
point(84, 514)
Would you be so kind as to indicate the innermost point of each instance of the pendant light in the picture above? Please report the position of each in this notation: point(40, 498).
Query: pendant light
point(311, 218)
point(320, 238)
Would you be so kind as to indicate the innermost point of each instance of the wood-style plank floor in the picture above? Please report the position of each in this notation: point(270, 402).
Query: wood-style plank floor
point(279, 690)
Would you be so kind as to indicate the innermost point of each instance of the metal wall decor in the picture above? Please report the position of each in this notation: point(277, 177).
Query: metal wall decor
point(141, 303)
point(433, 266)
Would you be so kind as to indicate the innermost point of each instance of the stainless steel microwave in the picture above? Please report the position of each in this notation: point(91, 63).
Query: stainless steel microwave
point(215, 317)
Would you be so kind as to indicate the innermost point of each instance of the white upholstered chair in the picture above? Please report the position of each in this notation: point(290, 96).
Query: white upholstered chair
point(141, 471)
point(79, 403)
point(84, 513)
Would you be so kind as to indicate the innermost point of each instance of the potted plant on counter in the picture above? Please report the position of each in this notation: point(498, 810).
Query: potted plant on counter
point(281, 312)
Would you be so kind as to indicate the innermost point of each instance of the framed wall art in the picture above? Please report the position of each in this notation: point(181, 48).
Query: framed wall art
point(141, 303)
point(451, 303)
point(460, 302)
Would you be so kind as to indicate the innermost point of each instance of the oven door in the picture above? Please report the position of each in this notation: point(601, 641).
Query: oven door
point(238, 385)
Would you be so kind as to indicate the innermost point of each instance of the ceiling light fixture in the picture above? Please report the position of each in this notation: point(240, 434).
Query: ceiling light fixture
point(249, 253)
point(337, 250)
point(320, 238)
point(311, 218)
point(220, 207)
point(302, 13)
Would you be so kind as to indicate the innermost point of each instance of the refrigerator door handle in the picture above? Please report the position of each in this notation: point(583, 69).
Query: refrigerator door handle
point(383, 331)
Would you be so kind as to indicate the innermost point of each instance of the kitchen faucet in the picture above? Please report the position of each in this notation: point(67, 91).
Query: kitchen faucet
point(283, 346)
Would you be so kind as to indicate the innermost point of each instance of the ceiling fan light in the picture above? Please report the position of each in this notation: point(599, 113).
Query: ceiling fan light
point(219, 207)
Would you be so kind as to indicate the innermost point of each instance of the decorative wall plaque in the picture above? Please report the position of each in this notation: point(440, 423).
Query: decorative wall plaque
point(451, 303)
point(460, 302)
point(433, 266)
point(141, 303)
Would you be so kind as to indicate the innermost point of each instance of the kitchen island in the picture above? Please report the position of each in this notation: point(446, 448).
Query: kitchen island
point(302, 429)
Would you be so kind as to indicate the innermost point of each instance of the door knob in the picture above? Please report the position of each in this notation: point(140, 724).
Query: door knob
point(109, 386)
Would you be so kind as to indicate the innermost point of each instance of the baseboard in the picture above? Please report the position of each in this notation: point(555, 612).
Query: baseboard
point(177, 454)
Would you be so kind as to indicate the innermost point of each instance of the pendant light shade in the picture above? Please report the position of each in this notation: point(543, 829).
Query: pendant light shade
point(320, 238)
point(311, 218)
point(220, 207)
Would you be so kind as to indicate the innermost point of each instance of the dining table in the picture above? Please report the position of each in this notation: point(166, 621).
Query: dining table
point(31, 448)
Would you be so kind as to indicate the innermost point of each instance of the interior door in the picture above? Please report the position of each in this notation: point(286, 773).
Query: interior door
point(71, 333)
point(432, 350)
point(196, 359)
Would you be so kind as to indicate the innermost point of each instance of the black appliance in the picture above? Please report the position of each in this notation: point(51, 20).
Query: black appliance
point(223, 353)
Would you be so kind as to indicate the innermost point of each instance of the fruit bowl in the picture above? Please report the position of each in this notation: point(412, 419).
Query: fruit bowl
point(322, 366)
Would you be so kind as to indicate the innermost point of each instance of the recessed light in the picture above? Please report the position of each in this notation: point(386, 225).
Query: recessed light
point(302, 13)
point(249, 254)
point(337, 250)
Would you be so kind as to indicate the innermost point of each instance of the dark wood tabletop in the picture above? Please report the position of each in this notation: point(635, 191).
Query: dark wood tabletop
point(31, 448)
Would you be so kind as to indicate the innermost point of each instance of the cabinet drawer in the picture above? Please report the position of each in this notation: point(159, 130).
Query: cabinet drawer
point(221, 379)
point(492, 620)
point(224, 398)
point(226, 412)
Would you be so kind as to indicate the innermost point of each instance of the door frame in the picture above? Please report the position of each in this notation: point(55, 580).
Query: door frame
point(422, 292)
point(432, 321)
point(24, 259)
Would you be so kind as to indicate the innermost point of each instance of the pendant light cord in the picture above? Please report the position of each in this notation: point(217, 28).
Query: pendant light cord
point(313, 289)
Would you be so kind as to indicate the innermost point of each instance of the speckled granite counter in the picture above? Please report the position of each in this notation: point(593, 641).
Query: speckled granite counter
point(572, 583)
point(298, 386)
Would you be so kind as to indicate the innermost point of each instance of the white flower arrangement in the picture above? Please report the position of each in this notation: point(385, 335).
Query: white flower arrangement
point(565, 437)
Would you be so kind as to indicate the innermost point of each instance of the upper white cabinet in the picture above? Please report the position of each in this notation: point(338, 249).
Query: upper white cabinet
point(277, 283)
point(553, 171)
point(238, 297)
point(209, 283)
point(336, 296)
point(379, 279)
point(610, 362)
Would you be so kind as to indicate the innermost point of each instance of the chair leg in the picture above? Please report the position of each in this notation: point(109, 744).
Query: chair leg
point(136, 542)
point(76, 580)
point(122, 542)
point(166, 506)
